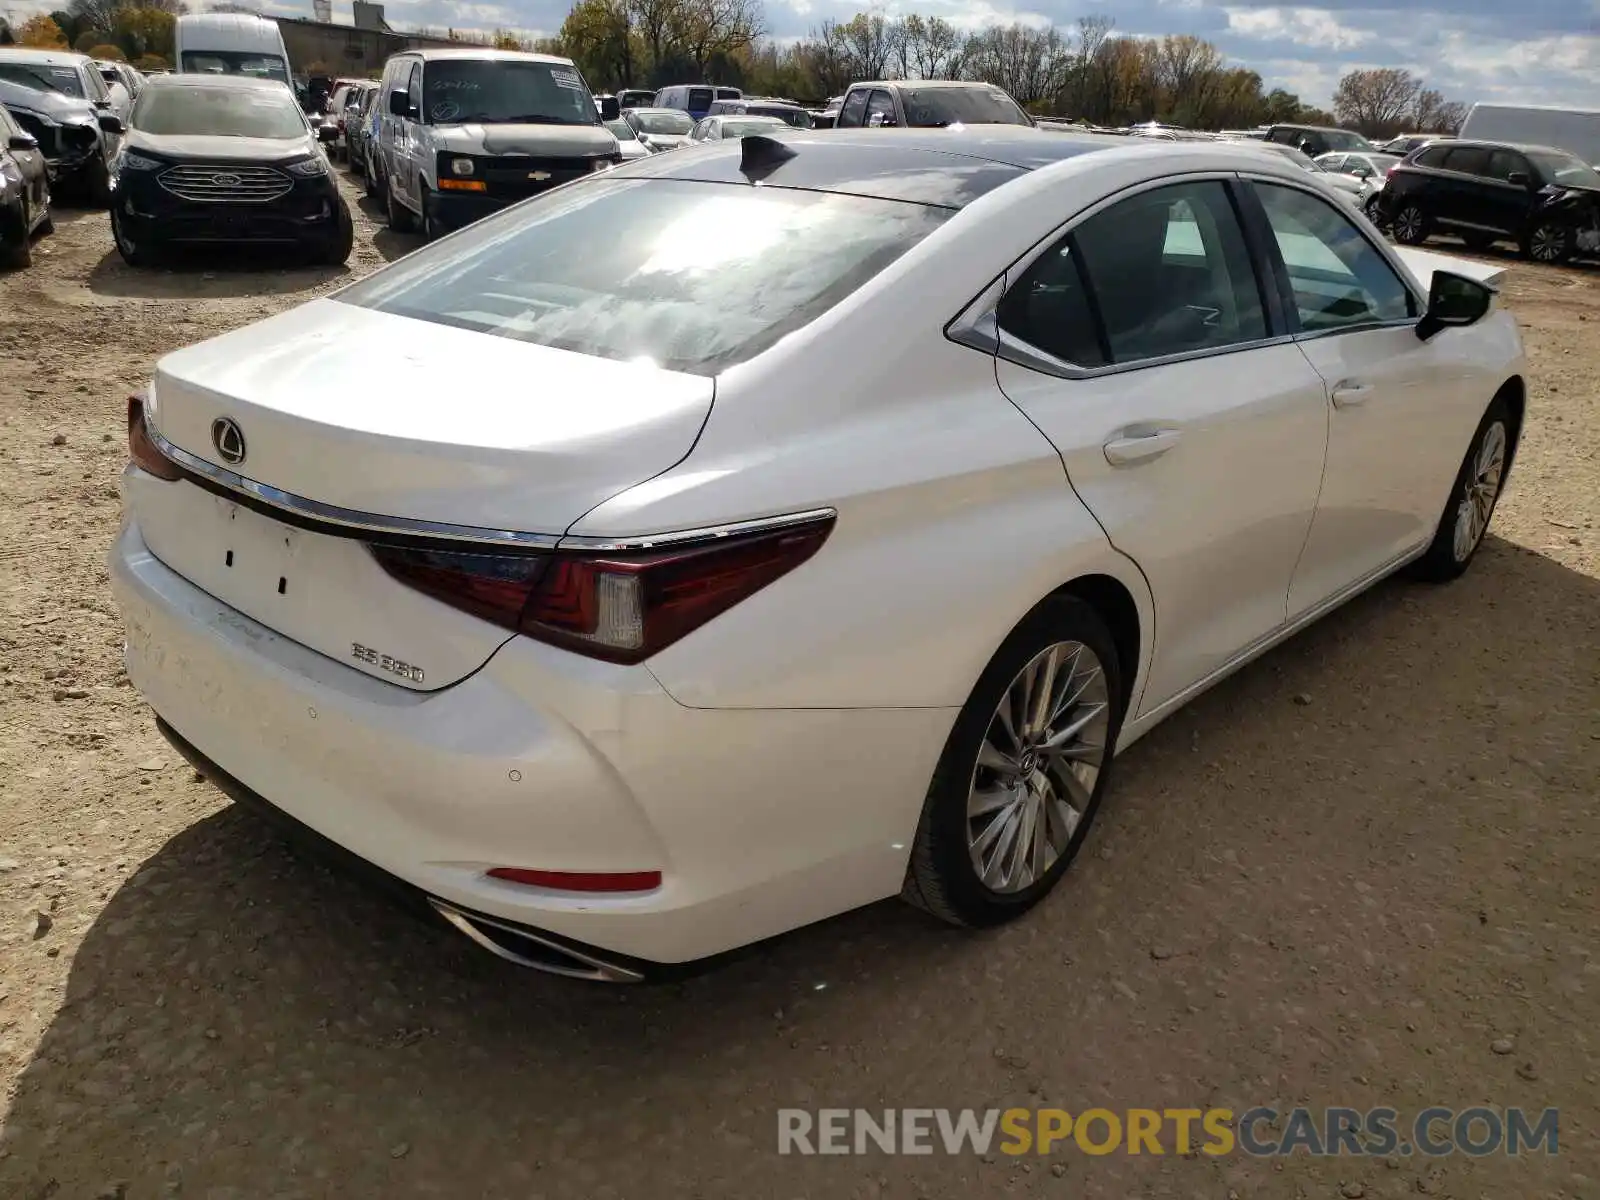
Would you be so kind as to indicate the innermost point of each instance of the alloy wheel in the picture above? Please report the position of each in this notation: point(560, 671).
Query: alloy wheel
point(1480, 492)
point(1408, 224)
point(1548, 243)
point(1037, 767)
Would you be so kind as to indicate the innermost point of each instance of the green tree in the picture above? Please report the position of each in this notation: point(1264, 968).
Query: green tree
point(42, 33)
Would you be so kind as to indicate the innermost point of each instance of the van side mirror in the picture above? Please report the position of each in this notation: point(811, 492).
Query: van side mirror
point(1454, 301)
point(21, 142)
point(400, 104)
point(610, 108)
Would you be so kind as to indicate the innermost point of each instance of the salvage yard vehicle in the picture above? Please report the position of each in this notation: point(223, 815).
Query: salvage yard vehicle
point(61, 100)
point(1545, 200)
point(240, 44)
point(627, 140)
point(223, 159)
point(461, 572)
point(464, 133)
point(24, 193)
point(660, 129)
point(927, 104)
point(715, 129)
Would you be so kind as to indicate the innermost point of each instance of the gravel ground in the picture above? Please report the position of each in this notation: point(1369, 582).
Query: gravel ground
point(1361, 872)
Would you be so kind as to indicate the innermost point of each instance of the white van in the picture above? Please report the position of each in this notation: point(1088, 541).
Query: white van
point(231, 44)
point(1575, 130)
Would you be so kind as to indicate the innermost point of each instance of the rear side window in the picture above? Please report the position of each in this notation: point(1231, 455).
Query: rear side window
point(708, 276)
point(1050, 308)
point(1338, 278)
point(1433, 156)
point(1469, 160)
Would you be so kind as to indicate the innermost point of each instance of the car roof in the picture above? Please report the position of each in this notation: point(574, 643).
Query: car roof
point(1488, 144)
point(939, 167)
point(656, 108)
point(484, 52)
point(59, 58)
point(207, 80)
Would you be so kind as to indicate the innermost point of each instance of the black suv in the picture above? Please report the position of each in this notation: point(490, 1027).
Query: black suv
point(1545, 200)
point(1315, 140)
point(927, 104)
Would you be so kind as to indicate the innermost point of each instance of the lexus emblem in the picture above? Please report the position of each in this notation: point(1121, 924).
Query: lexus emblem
point(228, 438)
point(227, 181)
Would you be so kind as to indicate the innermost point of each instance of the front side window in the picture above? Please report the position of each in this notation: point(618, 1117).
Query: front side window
point(855, 107)
point(253, 112)
point(708, 275)
point(234, 62)
point(1339, 279)
point(414, 89)
point(880, 111)
point(456, 91)
point(1503, 164)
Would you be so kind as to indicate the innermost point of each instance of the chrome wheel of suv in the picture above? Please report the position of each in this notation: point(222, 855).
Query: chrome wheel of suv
point(1549, 243)
point(1411, 225)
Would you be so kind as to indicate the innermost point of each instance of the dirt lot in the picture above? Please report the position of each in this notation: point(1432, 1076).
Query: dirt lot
point(1362, 872)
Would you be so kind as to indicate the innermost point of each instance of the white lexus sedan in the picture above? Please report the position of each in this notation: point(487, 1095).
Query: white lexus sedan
point(631, 599)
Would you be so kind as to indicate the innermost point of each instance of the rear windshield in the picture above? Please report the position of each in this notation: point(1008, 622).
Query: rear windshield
point(254, 112)
point(798, 117)
point(662, 122)
point(505, 91)
point(43, 78)
point(942, 106)
point(235, 62)
point(708, 275)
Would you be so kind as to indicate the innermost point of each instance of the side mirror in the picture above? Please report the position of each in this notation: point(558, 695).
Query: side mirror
point(610, 110)
point(22, 141)
point(327, 133)
point(400, 104)
point(1520, 178)
point(1454, 301)
point(111, 123)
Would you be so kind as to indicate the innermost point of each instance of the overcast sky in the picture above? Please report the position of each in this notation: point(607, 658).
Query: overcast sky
point(1531, 51)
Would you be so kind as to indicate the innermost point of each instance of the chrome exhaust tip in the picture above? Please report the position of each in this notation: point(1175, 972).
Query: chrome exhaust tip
point(528, 949)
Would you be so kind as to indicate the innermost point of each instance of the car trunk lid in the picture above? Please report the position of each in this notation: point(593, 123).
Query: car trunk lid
point(309, 432)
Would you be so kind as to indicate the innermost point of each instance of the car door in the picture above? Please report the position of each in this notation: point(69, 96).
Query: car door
point(1388, 470)
point(30, 165)
point(1509, 192)
point(1144, 346)
point(1460, 200)
point(410, 143)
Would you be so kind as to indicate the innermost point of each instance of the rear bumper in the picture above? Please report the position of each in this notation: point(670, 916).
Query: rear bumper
point(759, 820)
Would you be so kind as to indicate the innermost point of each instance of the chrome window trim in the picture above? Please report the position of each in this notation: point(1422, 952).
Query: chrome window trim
point(978, 326)
point(354, 521)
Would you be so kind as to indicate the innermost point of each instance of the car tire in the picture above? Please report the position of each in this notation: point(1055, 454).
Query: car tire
point(374, 180)
point(1473, 497)
point(98, 183)
point(1549, 242)
point(48, 225)
point(1411, 225)
point(1371, 208)
point(979, 809)
point(133, 253)
point(430, 231)
point(19, 254)
point(401, 219)
point(336, 251)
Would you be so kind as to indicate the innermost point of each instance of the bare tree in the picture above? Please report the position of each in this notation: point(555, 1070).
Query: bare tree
point(1030, 63)
point(868, 45)
point(1432, 113)
point(1377, 101)
point(931, 48)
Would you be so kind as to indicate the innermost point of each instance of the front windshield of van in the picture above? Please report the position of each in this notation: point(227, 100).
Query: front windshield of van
point(505, 91)
point(235, 62)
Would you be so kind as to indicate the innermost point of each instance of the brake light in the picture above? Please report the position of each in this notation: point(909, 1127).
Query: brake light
point(622, 607)
point(142, 450)
point(580, 881)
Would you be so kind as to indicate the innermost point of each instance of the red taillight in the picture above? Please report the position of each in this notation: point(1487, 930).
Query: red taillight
point(142, 450)
point(580, 881)
point(622, 607)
